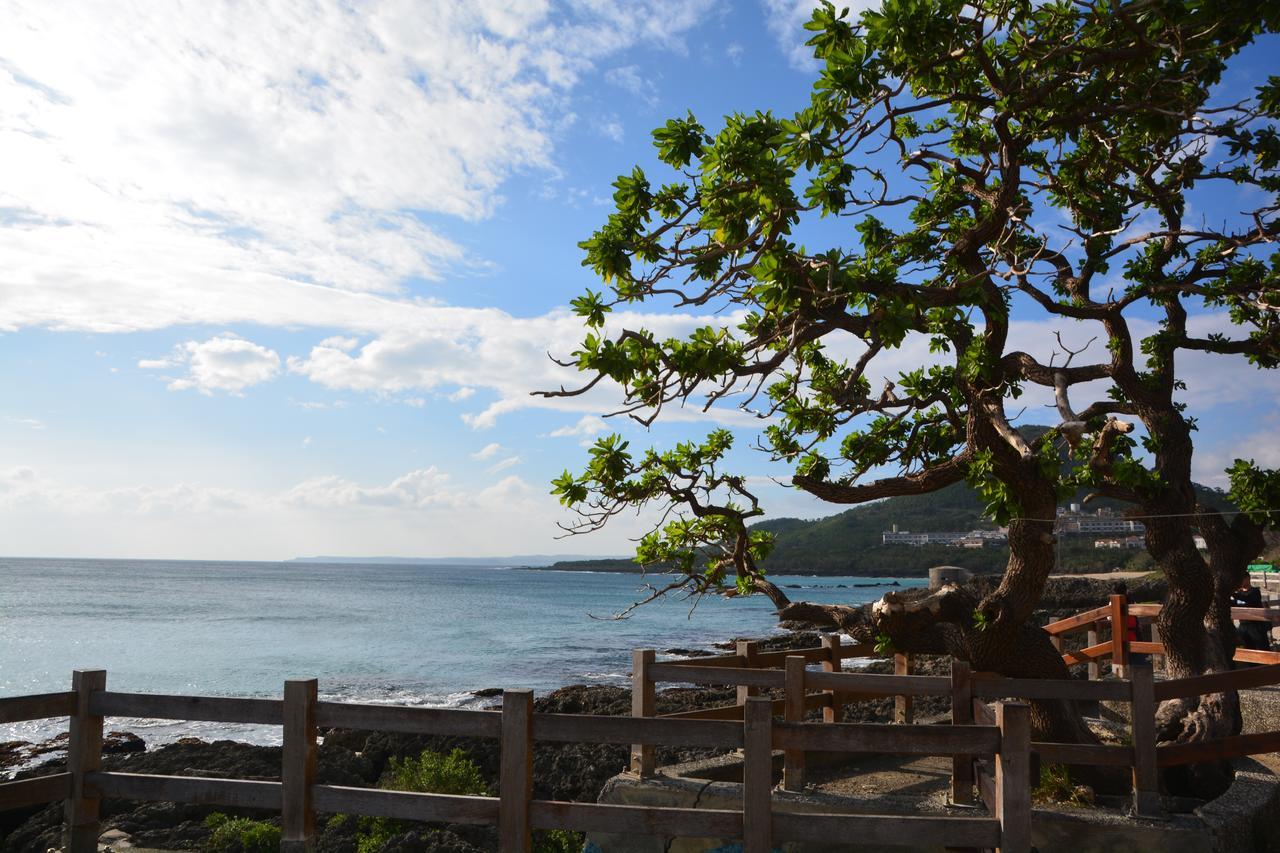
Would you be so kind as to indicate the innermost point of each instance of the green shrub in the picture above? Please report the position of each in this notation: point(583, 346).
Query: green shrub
point(429, 773)
point(242, 835)
point(1057, 786)
point(558, 841)
point(433, 773)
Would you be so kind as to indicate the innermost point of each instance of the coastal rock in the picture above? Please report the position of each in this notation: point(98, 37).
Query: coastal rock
point(121, 742)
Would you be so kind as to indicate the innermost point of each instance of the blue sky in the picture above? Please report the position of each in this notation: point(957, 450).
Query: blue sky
point(277, 280)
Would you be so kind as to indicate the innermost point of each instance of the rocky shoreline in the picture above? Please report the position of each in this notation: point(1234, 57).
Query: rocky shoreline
point(574, 772)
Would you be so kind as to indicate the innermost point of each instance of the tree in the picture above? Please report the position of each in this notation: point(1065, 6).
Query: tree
point(953, 139)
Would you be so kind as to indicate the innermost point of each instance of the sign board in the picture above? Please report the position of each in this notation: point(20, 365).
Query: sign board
point(1262, 567)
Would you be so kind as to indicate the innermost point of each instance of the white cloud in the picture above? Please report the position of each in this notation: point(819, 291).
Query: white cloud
point(420, 513)
point(611, 129)
point(488, 451)
point(509, 462)
point(29, 423)
point(631, 79)
point(223, 363)
point(179, 163)
point(588, 426)
point(419, 489)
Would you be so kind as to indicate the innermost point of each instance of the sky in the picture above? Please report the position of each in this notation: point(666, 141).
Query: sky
point(277, 279)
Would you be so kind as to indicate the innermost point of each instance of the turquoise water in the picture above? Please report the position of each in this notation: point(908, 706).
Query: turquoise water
point(373, 633)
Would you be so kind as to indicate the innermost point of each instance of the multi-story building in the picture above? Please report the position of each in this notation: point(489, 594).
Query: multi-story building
point(953, 538)
point(1072, 520)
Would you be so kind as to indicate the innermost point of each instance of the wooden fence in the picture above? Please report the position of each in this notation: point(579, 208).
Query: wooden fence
point(299, 798)
point(805, 690)
point(989, 745)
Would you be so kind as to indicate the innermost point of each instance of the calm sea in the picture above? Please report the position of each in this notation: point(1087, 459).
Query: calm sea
point(425, 635)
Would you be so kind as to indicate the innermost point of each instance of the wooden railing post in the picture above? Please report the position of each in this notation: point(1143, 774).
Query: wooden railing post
point(515, 773)
point(643, 704)
point(1119, 634)
point(831, 663)
point(757, 776)
point(793, 759)
point(298, 767)
point(961, 715)
point(903, 711)
point(84, 755)
point(1146, 773)
point(749, 651)
point(1013, 777)
point(1090, 640)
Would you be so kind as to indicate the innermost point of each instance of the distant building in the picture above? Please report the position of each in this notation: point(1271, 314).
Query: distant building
point(1123, 542)
point(1073, 520)
point(952, 538)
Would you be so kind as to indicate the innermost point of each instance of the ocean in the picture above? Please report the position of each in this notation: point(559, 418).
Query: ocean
point(407, 634)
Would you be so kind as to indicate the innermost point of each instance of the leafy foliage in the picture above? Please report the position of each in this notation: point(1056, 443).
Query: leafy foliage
point(241, 835)
point(981, 157)
point(431, 773)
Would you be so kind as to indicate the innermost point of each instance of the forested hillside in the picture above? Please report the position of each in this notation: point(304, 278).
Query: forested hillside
point(848, 543)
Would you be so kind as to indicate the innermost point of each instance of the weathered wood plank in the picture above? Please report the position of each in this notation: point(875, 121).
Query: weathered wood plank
point(298, 766)
point(1089, 655)
point(1083, 753)
point(585, 728)
point(235, 793)
point(403, 805)
point(515, 772)
point(35, 792)
point(644, 705)
point(410, 720)
point(215, 709)
point(793, 712)
point(1080, 620)
point(1235, 746)
point(1256, 614)
point(40, 706)
point(1094, 670)
point(1146, 773)
point(985, 771)
point(1236, 679)
point(1013, 777)
point(879, 685)
point(636, 820)
point(831, 663)
point(815, 654)
point(682, 673)
point(888, 829)
point(1256, 656)
point(84, 756)
point(757, 777)
point(983, 714)
point(749, 651)
point(720, 712)
point(903, 707)
point(875, 737)
point(988, 687)
point(961, 715)
point(1119, 631)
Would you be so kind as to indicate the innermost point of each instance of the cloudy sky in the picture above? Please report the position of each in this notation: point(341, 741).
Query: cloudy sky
point(277, 278)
